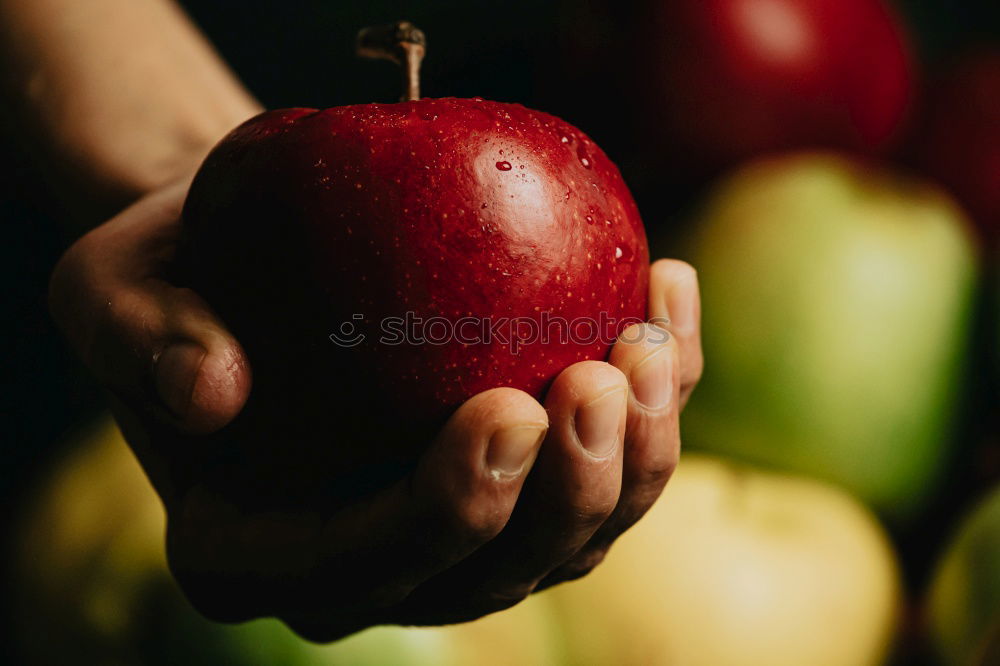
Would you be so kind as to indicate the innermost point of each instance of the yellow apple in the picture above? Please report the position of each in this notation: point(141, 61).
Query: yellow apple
point(84, 551)
point(738, 567)
point(964, 602)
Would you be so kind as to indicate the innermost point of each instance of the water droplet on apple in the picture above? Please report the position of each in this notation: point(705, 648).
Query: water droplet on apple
point(581, 153)
point(618, 253)
point(590, 220)
point(484, 205)
point(504, 166)
point(566, 140)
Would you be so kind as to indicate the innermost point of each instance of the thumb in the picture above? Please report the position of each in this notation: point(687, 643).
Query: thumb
point(199, 373)
point(158, 347)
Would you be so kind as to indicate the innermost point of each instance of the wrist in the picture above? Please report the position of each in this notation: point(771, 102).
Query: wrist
point(104, 164)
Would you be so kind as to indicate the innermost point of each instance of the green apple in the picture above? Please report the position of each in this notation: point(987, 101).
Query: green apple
point(740, 567)
point(963, 606)
point(836, 301)
point(91, 586)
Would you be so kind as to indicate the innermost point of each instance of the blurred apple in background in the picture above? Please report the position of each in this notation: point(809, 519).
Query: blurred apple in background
point(739, 567)
point(91, 587)
point(957, 139)
point(711, 83)
point(963, 608)
point(836, 301)
point(83, 554)
point(734, 78)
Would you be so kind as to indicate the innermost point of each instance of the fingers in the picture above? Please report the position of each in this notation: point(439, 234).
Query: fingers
point(648, 356)
point(572, 489)
point(370, 556)
point(469, 482)
point(158, 347)
point(674, 297)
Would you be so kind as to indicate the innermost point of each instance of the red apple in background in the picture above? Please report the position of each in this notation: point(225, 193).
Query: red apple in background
point(957, 140)
point(729, 79)
point(305, 223)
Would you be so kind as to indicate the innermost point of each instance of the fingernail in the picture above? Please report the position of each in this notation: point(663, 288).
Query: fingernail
point(175, 373)
point(683, 303)
point(598, 423)
point(651, 380)
point(510, 449)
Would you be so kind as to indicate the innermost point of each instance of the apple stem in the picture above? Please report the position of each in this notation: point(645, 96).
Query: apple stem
point(401, 42)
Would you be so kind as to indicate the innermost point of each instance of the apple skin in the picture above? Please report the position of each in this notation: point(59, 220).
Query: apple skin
point(302, 220)
point(957, 140)
point(837, 312)
point(731, 79)
point(738, 566)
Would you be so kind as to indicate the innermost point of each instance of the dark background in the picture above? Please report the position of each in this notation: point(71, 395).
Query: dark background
point(301, 54)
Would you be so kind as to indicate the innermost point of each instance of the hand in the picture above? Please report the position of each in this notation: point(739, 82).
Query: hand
point(509, 498)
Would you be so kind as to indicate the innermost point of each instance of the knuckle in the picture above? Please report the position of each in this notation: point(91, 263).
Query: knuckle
point(116, 309)
point(582, 564)
point(185, 299)
point(502, 598)
point(698, 368)
point(587, 510)
point(695, 367)
point(322, 631)
point(659, 466)
point(593, 514)
point(657, 474)
point(387, 596)
point(314, 632)
point(119, 331)
point(475, 523)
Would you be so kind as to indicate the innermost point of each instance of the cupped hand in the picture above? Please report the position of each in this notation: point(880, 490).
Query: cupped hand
point(510, 497)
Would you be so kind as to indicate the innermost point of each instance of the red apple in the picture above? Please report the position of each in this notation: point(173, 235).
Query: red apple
point(729, 79)
point(301, 221)
point(958, 138)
